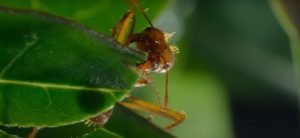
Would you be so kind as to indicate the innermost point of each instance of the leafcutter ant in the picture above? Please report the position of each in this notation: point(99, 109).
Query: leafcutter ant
point(160, 58)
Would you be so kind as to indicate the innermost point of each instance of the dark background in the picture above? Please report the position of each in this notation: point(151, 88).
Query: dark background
point(234, 75)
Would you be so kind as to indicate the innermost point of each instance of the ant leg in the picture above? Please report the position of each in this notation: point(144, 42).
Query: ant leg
point(157, 95)
point(140, 105)
point(33, 133)
point(141, 10)
point(144, 79)
point(126, 23)
point(166, 91)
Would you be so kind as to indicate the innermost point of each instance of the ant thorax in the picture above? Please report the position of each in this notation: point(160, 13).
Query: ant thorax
point(160, 55)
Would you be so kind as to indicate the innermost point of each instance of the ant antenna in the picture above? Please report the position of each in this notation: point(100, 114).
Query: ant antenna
point(140, 9)
point(157, 95)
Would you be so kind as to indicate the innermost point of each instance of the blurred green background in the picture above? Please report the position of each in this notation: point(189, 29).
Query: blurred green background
point(234, 75)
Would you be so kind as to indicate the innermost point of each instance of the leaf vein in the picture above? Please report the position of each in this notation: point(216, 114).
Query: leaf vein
point(28, 45)
point(54, 106)
point(60, 86)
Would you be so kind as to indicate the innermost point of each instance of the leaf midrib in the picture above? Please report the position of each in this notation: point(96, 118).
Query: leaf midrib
point(60, 86)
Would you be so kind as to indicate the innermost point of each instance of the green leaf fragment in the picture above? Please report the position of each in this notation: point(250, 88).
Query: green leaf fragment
point(123, 123)
point(54, 71)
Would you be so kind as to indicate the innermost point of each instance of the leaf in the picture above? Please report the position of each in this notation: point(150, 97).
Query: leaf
point(130, 124)
point(67, 131)
point(98, 14)
point(123, 123)
point(54, 71)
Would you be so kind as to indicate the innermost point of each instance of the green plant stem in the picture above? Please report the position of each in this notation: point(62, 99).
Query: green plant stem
point(286, 12)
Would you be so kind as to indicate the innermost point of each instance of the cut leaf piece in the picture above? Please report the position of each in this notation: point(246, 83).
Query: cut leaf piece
point(54, 71)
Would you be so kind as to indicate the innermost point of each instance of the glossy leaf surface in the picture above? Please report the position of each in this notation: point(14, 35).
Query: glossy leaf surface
point(55, 71)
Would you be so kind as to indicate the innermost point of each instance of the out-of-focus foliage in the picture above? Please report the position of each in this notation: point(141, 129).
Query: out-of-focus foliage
point(234, 74)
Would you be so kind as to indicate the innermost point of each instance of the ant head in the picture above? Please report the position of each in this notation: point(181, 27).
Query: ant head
point(162, 55)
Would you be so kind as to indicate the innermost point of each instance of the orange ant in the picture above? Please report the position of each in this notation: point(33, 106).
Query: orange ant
point(160, 59)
